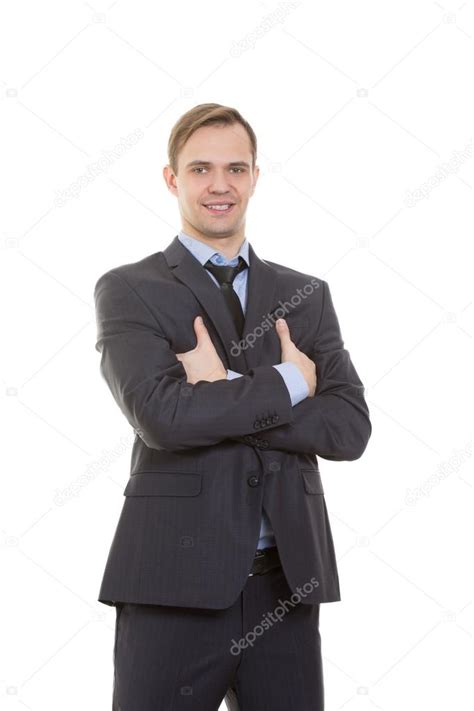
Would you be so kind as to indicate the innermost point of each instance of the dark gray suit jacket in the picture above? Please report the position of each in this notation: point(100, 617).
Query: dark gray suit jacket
point(207, 457)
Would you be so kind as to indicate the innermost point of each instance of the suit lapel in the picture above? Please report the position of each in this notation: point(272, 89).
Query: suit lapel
point(261, 294)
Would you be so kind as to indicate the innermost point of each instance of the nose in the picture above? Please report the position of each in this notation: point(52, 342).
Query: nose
point(219, 182)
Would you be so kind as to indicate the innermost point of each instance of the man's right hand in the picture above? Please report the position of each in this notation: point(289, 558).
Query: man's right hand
point(203, 361)
point(290, 353)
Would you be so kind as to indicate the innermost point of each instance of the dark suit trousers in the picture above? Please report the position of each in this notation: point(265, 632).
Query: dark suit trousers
point(262, 654)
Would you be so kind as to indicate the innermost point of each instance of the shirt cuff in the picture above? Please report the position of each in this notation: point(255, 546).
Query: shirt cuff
point(294, 381)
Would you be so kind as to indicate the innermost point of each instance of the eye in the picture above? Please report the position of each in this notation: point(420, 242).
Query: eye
point(237, 168)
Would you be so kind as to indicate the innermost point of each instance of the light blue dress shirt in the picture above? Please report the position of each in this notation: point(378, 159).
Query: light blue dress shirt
point(292, 376)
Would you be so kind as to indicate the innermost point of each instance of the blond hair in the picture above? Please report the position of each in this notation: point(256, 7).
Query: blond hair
point(205, 115)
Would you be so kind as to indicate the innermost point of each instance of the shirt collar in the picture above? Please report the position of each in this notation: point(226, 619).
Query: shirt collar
point(203, 252)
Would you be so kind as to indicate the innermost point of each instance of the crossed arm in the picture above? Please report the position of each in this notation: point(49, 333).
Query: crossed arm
point(334, 424)
point(150, 386)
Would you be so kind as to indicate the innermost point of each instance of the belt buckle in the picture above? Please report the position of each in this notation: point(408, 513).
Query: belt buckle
point(259, 553)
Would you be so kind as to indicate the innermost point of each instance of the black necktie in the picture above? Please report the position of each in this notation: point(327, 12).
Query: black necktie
point(225, 275)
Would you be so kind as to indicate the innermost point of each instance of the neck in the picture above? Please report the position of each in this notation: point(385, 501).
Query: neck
point(228, 246)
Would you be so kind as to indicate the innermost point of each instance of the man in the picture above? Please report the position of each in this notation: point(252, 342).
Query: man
point(223, 551)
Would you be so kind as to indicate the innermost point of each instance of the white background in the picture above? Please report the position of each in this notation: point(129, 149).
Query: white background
point(356, 106)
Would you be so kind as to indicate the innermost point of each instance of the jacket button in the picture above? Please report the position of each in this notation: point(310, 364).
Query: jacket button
point(253, 480)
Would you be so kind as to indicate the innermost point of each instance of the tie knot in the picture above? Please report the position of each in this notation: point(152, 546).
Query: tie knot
point(225, 274)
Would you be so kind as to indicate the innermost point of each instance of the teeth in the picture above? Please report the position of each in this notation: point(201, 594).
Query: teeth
point(218, 207)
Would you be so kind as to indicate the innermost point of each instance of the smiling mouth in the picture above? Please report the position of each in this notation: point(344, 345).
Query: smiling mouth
point(217, 209)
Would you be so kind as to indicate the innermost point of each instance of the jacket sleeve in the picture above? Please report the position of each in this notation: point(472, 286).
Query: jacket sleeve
point(334, 424)
point(149, 383)
point(293, 377)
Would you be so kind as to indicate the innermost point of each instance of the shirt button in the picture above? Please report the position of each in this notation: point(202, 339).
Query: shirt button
point(274, 466)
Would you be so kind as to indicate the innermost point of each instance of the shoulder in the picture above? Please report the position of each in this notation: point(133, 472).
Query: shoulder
point(294, 278)
point(132, 273)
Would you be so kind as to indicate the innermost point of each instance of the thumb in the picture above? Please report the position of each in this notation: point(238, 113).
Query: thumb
point(283, 332)
point(200, 330)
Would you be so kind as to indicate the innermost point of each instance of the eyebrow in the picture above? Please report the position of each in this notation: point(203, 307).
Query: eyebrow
point(206, 162)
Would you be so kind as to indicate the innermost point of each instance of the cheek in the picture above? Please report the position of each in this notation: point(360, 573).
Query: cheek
point(188, 192)
point(190, 200)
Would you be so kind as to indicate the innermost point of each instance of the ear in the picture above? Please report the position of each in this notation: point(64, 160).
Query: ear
point(170, 179)
point(256, 173)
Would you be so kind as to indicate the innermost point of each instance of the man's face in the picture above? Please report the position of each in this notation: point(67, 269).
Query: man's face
point(214, 167)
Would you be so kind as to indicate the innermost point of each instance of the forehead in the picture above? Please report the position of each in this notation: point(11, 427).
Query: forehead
point(218, 144)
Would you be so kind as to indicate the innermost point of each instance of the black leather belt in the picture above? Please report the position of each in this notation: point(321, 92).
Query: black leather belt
point(265, 559)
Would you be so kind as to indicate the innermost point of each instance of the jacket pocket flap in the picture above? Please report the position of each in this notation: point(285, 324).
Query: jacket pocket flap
point(312, 481)
point(164, 484)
